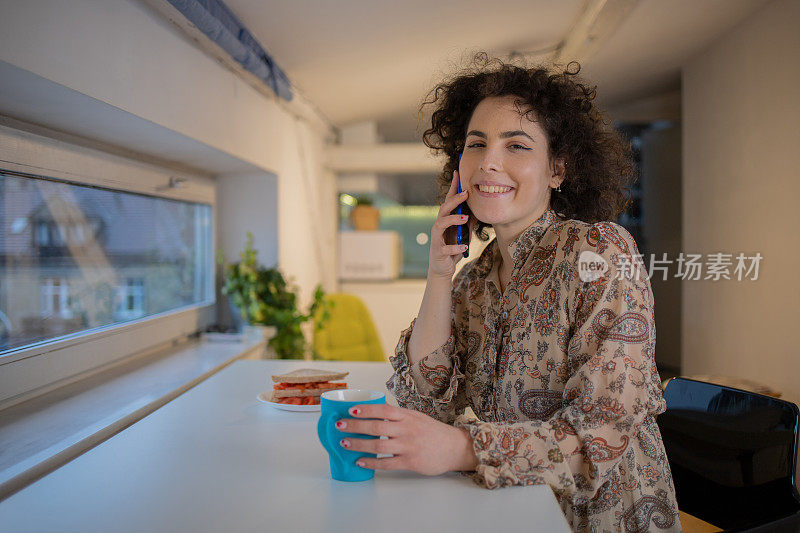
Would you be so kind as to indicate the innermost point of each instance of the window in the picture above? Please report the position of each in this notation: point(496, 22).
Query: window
point(75, 258)
point(55, 298)
point(93, 221)
point(130, 299)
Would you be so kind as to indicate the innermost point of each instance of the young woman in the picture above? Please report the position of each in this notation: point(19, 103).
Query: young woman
point(549, 335)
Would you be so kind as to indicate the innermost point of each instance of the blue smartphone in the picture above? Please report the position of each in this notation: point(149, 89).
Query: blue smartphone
point(462, 233)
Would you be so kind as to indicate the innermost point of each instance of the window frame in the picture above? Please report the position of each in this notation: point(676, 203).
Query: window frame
point(35, 152)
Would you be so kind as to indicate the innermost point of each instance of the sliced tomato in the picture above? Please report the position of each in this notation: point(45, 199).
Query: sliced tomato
point(300, 400)
point(290, 401)
point(309, 386)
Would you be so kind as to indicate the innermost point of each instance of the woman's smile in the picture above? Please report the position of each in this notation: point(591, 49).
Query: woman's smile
point(492, 190)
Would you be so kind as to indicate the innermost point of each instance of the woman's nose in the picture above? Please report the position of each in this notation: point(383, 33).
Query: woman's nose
point(490, 161)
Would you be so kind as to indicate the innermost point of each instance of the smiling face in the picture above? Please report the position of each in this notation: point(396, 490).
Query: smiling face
point(506, 167)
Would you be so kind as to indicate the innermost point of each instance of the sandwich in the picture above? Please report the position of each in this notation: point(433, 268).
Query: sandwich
point(305, 386)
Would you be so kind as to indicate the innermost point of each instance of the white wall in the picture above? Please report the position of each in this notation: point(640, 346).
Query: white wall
point(250, 203)
point(307, 216)
point(741, 190)
point(393, 305)
point(121, 54)
point(662, 217)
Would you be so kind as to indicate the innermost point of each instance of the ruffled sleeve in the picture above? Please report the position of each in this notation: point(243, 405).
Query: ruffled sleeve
point(435, 384)
point(610, 397)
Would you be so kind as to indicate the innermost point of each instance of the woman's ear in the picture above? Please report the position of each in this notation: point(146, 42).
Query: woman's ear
point(559, 172)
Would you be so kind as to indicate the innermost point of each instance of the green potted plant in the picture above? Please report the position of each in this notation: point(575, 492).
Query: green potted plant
point(263, 297)
point(365, 216)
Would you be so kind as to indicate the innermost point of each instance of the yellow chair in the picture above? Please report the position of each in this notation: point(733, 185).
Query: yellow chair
point(349, 334)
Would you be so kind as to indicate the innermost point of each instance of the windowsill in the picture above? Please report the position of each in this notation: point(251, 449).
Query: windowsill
point(41, 434)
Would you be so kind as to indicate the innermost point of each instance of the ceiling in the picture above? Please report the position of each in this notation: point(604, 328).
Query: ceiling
point(362, 60)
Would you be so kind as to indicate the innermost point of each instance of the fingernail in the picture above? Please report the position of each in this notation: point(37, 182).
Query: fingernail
point(360, 463)
point(340, 424)
point(355, 411)
point(464, 247)
point(463, 217)
point(345, 443)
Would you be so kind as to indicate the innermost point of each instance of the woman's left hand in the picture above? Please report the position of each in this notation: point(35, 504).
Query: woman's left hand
point(418, 442)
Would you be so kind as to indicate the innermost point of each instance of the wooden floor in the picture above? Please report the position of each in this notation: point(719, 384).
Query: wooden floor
point(691, 524)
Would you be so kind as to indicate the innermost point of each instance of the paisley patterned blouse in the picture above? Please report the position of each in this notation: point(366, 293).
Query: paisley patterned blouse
point(561, 374)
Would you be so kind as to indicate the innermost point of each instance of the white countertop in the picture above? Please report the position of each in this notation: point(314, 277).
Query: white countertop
point(215, 459)
point(45, 432)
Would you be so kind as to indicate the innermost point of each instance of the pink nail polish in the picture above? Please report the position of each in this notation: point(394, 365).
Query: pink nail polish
point(345, 443)
point(360, 463)
point(339, 424)
point(355, 411)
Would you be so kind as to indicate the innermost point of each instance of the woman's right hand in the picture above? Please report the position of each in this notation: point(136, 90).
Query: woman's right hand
point(443, 256)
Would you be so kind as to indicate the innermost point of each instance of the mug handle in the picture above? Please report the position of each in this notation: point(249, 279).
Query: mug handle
point(325, 428)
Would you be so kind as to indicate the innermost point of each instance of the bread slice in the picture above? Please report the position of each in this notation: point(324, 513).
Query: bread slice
point(308, 375)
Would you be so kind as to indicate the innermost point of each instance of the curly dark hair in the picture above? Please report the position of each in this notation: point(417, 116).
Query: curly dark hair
point(598, 163)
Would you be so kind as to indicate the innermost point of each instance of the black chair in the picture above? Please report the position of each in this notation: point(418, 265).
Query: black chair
point(733, 455)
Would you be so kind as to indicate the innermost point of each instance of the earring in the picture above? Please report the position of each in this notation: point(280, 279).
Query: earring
point(558, 189)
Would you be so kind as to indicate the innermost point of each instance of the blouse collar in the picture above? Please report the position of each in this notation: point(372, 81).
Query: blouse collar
point(523, 245)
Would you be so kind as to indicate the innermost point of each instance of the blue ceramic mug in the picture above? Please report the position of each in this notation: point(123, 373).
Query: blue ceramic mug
point(335, 405)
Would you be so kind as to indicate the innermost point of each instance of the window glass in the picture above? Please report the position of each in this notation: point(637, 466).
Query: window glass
point(74, 258)
point(412, 222)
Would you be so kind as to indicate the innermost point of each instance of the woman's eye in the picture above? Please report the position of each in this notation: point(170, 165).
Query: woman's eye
point(480, 144)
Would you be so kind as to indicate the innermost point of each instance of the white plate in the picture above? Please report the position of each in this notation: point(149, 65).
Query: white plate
point(263, 397)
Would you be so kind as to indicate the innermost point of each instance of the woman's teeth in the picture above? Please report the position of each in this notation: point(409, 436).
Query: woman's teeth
point(493, 188)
